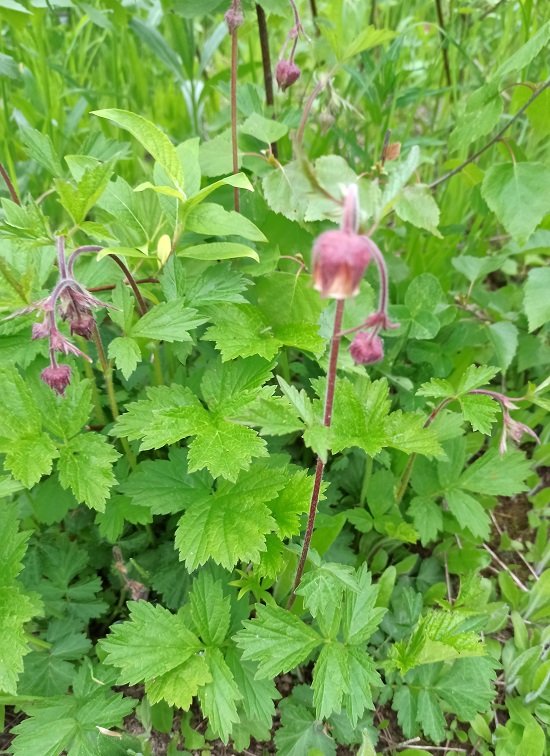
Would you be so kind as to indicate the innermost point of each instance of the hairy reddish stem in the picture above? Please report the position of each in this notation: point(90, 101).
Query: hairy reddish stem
point(110, 287)
point(266, 65)
point(131, 280)
point(327, 419)
point(9, 184)
point(443, 36)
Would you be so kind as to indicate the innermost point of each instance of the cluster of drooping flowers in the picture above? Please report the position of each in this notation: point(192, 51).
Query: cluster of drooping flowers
point(340, 259)
point(74, 304)
point(287, 72)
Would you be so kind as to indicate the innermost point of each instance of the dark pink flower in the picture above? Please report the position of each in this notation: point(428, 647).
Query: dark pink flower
point(287, 74)
point(59, 343)
point(234, 19)
point(82, 325)
point(339, 261)
point(366, 348)
point(57, 377)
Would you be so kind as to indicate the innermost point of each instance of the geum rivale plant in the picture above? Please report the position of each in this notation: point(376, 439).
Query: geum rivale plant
point(257, 498)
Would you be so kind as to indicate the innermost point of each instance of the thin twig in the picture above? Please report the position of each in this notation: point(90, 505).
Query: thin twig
point(110, 287)
point(131, 280)
point(327, 419)
point(504, 566)
point(309, 104)
point(520, 555)
point(493, 141)
point(9, 184)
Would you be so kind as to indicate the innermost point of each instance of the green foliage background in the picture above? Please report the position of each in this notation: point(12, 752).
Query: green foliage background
point(151, 520)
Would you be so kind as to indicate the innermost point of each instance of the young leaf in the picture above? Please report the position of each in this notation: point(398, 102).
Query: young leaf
point(86, 467)
point(480, 411)
point(276, 639)
point(151, 138)
point(168, 321)
point(509, 186)
point(219, 696)
point(126, 354)
point(237, 510)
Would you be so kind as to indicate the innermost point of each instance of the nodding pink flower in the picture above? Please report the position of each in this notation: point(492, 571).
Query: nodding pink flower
point(366, 348)
point(287, 73)
point(234, 18)
point(340, 258)
point(57, 377)
point(58, 343)
point(83, 325)
point(339, 263)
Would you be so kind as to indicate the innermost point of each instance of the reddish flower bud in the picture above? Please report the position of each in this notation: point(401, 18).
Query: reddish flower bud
point(339, 263)
point(40, 330)
point(234, 19)
point(366, 348)
point(57, 377)
point(83, 325)
point(287, 73)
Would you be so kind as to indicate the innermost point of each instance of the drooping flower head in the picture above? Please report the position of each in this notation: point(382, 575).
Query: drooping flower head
point(287, 73)
point(57, 377)
point(366, 348)
point(234, 17)
point(340, 257)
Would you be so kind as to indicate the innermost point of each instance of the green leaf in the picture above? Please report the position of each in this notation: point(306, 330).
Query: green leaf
point(219, 696)
point(224, 448)
point(89, 189)
point(258, 695)
point(31, 458)
point(536, 303)
point(366, 39)
point(480, 411)
point(291, 502)
point(165, 486)
point(65, 416)
point(152, 139)
point(213, 220)
point(151, 643)
point(495, 476)
point(427, 518)
point(469, 513)
point(218, 251)
point(504, 338)
point(168, 321)
point(86, 467)
point(300, 733)
point(438, 636)
point(192, 8)
point(265, 129)
point(330, 679)
point(456, 688)
point(126, 354)
point(422, 298)
point(276, 639)
point(181, 684)
point(417, 206)
point(231, 524)
point(323, 587)
point(483, 110)
point(40, 148)
point(210, 609)
point(69, 724)
point(475, 377)
point(166, 416)
point(361, 616)
point(519, 195)
point(528, 52)
point(430, 716)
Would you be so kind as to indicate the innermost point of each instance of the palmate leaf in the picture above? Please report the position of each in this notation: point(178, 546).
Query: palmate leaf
point(69, 724)
point(277, 640)
point(170, 414)
point(231, 524)
point(464, 688)
point(437, 637)
point(86, 467)
point(301, 733)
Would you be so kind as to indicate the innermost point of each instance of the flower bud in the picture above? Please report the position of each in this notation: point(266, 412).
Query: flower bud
point(57, 377)
point(83, 325)
point(287, 73)
point(40, 330)
point(339, 261)
point(234, 19)
point(366, 348)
